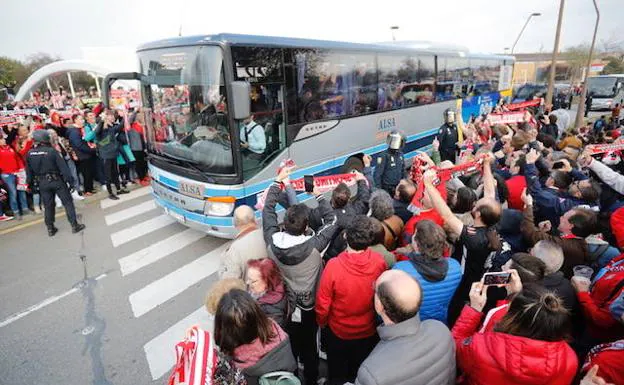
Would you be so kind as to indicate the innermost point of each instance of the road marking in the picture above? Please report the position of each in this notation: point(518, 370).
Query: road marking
point(160, 351)
point(138, 230)
point(106, 203)
point(158, 250)
point(122, 215)
point(174, 283)
point(43, 304)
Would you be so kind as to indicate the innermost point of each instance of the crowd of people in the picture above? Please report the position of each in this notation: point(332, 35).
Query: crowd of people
point(97, 145)
point(508, 273)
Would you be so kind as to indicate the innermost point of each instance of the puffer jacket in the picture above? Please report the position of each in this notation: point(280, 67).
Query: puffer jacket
point(298, 257)
point(493, 358)
point(437, 295)
point(275, 305)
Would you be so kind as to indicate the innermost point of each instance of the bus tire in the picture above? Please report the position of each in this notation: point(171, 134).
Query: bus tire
point(353, 163)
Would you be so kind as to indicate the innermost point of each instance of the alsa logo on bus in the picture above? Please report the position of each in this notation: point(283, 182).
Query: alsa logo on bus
point(385, 124)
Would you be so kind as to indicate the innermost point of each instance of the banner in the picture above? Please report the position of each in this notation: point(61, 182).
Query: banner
point(506, 117)
point(26, 112)
point(522, 105)
point(595, 149)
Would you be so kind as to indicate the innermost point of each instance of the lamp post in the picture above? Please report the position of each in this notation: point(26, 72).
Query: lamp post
point(553, 61)
point(522, 30)
point(392, 29)
point(580, 113)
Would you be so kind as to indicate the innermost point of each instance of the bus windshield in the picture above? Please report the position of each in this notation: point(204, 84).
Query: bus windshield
point(186, 117)
point(602, 87)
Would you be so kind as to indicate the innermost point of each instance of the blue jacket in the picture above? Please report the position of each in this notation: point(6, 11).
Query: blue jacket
point(82, 149)
point(550, 205)
point(436, 295)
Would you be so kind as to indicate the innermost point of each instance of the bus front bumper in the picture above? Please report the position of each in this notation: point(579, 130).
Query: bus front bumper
point(220, 227)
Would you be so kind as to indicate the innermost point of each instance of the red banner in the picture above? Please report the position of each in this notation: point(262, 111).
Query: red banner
point(523, 105)
point(595, 149)
point(506, 117)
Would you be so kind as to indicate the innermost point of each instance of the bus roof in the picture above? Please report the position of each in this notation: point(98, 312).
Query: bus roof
point(608, 76)
point(291, 42)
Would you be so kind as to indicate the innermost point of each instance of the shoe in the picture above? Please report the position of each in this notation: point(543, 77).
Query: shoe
point(52, 231)
point(144, 182)
point(123, 191)
point(87, 194)
point(4, 218)
point(113, 197)
point(104, 187)
point(77, 196)
point(78, 228)
point(38, 210)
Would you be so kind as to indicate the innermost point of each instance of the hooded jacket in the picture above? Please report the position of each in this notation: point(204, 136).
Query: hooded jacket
point(262, 359)
point(298, 257)
point(498, 358)
point(438, 291)
point(345, 297)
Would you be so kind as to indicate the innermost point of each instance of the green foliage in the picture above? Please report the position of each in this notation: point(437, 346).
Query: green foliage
point(615, 65)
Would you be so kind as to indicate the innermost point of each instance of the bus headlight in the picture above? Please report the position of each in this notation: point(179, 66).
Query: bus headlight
point(219, 206)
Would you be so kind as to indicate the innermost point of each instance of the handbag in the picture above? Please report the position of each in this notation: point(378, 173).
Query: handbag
point(279, 378)
point(195, 359)
point(22, 184)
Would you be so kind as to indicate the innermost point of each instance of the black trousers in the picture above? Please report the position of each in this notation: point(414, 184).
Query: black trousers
point(87, 169)
point(112, 174)
point(303, 343)
point(448, 154)
point(344, 357)
point(48, 189)
point(140, 164)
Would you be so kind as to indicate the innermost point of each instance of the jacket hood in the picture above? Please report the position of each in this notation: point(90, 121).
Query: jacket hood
point(553, 280)
point(358, 263)
point(530, 361)
point(291, 249)
point(280, 358)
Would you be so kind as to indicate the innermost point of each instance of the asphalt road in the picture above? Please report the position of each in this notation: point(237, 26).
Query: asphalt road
point(146, 279)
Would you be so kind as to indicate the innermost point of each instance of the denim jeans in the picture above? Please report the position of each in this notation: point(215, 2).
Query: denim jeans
point(74, 173)
point(11, 181)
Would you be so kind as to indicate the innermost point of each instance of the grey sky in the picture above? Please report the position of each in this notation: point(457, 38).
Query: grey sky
point(64, 26)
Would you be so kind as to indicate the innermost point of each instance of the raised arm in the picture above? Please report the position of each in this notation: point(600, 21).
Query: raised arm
point(489, 183)
point(439, 204)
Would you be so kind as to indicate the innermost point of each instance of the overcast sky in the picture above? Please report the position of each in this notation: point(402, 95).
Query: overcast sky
point(64, 26)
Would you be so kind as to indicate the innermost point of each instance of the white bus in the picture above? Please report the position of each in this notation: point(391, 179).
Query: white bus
point(606, 91)
point(322, 104)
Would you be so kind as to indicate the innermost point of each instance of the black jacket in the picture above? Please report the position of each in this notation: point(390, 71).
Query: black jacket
point(43, 160)
point(280, 359)
point(107, 143)
point(389, 169)
point(80, 146)
point(400, 209)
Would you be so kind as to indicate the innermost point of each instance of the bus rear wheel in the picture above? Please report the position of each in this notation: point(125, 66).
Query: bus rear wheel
point(353, 163)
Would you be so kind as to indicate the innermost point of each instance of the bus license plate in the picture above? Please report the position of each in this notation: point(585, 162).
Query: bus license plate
point(178, 217)
point(192, 189)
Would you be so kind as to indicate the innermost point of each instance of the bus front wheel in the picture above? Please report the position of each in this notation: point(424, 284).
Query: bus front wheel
point(354, 162)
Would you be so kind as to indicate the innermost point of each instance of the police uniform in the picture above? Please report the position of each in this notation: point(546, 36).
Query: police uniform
point(448, 137)
point(390, 166)
point(47, 170)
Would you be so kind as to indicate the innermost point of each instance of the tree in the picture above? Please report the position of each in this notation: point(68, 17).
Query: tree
point(576, 57)
point(615, 65)
point(11, 71)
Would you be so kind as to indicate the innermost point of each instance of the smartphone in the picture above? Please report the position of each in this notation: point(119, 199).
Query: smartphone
point(497, 278)
point(557, 165)
point(308, 181)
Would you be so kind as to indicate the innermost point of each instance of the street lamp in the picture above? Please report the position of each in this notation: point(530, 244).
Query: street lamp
point(394, 28)
point(522, 30)
point(553, 61)
point(580, 113)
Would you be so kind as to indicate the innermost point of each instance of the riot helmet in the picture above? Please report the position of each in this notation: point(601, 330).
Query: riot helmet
point(449, 116)
point(395, 140)
point(41, 136)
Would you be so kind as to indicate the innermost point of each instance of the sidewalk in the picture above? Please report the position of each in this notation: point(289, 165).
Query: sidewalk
point(32, 219)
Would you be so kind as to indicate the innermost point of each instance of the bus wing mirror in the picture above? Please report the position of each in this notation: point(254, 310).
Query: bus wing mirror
point(113, 77)
point(240, 101)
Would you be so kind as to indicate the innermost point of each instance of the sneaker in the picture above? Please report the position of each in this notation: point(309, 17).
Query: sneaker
point(78, 228)
point(77, 196)
point(123, 191)
point(52, 231)
point(4, 218)
point(104, 187)
point(113, 197)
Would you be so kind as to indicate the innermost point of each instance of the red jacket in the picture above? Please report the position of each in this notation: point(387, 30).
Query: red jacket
point(493, 358)
point(23, 152)
point(410, 226)
point(515, 185)
point(10, 161)
point(610, 360)
point(595, 304)
point(344, 299)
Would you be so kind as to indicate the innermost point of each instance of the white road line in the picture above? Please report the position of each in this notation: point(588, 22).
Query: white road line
point(43, 304)
point(106, 203)
point(158, 250)
point(174, 283)
point(140, 229)
point(160, 351)
point(128, 213)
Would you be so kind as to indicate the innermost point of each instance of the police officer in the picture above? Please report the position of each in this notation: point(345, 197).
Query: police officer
point(47, 170)
point(448, 137)
point(390, 167)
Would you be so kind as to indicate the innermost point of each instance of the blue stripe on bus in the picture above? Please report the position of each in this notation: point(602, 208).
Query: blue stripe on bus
point(325, 168)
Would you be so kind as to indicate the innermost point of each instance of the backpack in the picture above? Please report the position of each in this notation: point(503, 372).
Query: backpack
point(279, 378)
point(614, 301)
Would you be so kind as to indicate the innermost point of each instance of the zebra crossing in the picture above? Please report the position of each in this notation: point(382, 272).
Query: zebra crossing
point(134, 218)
